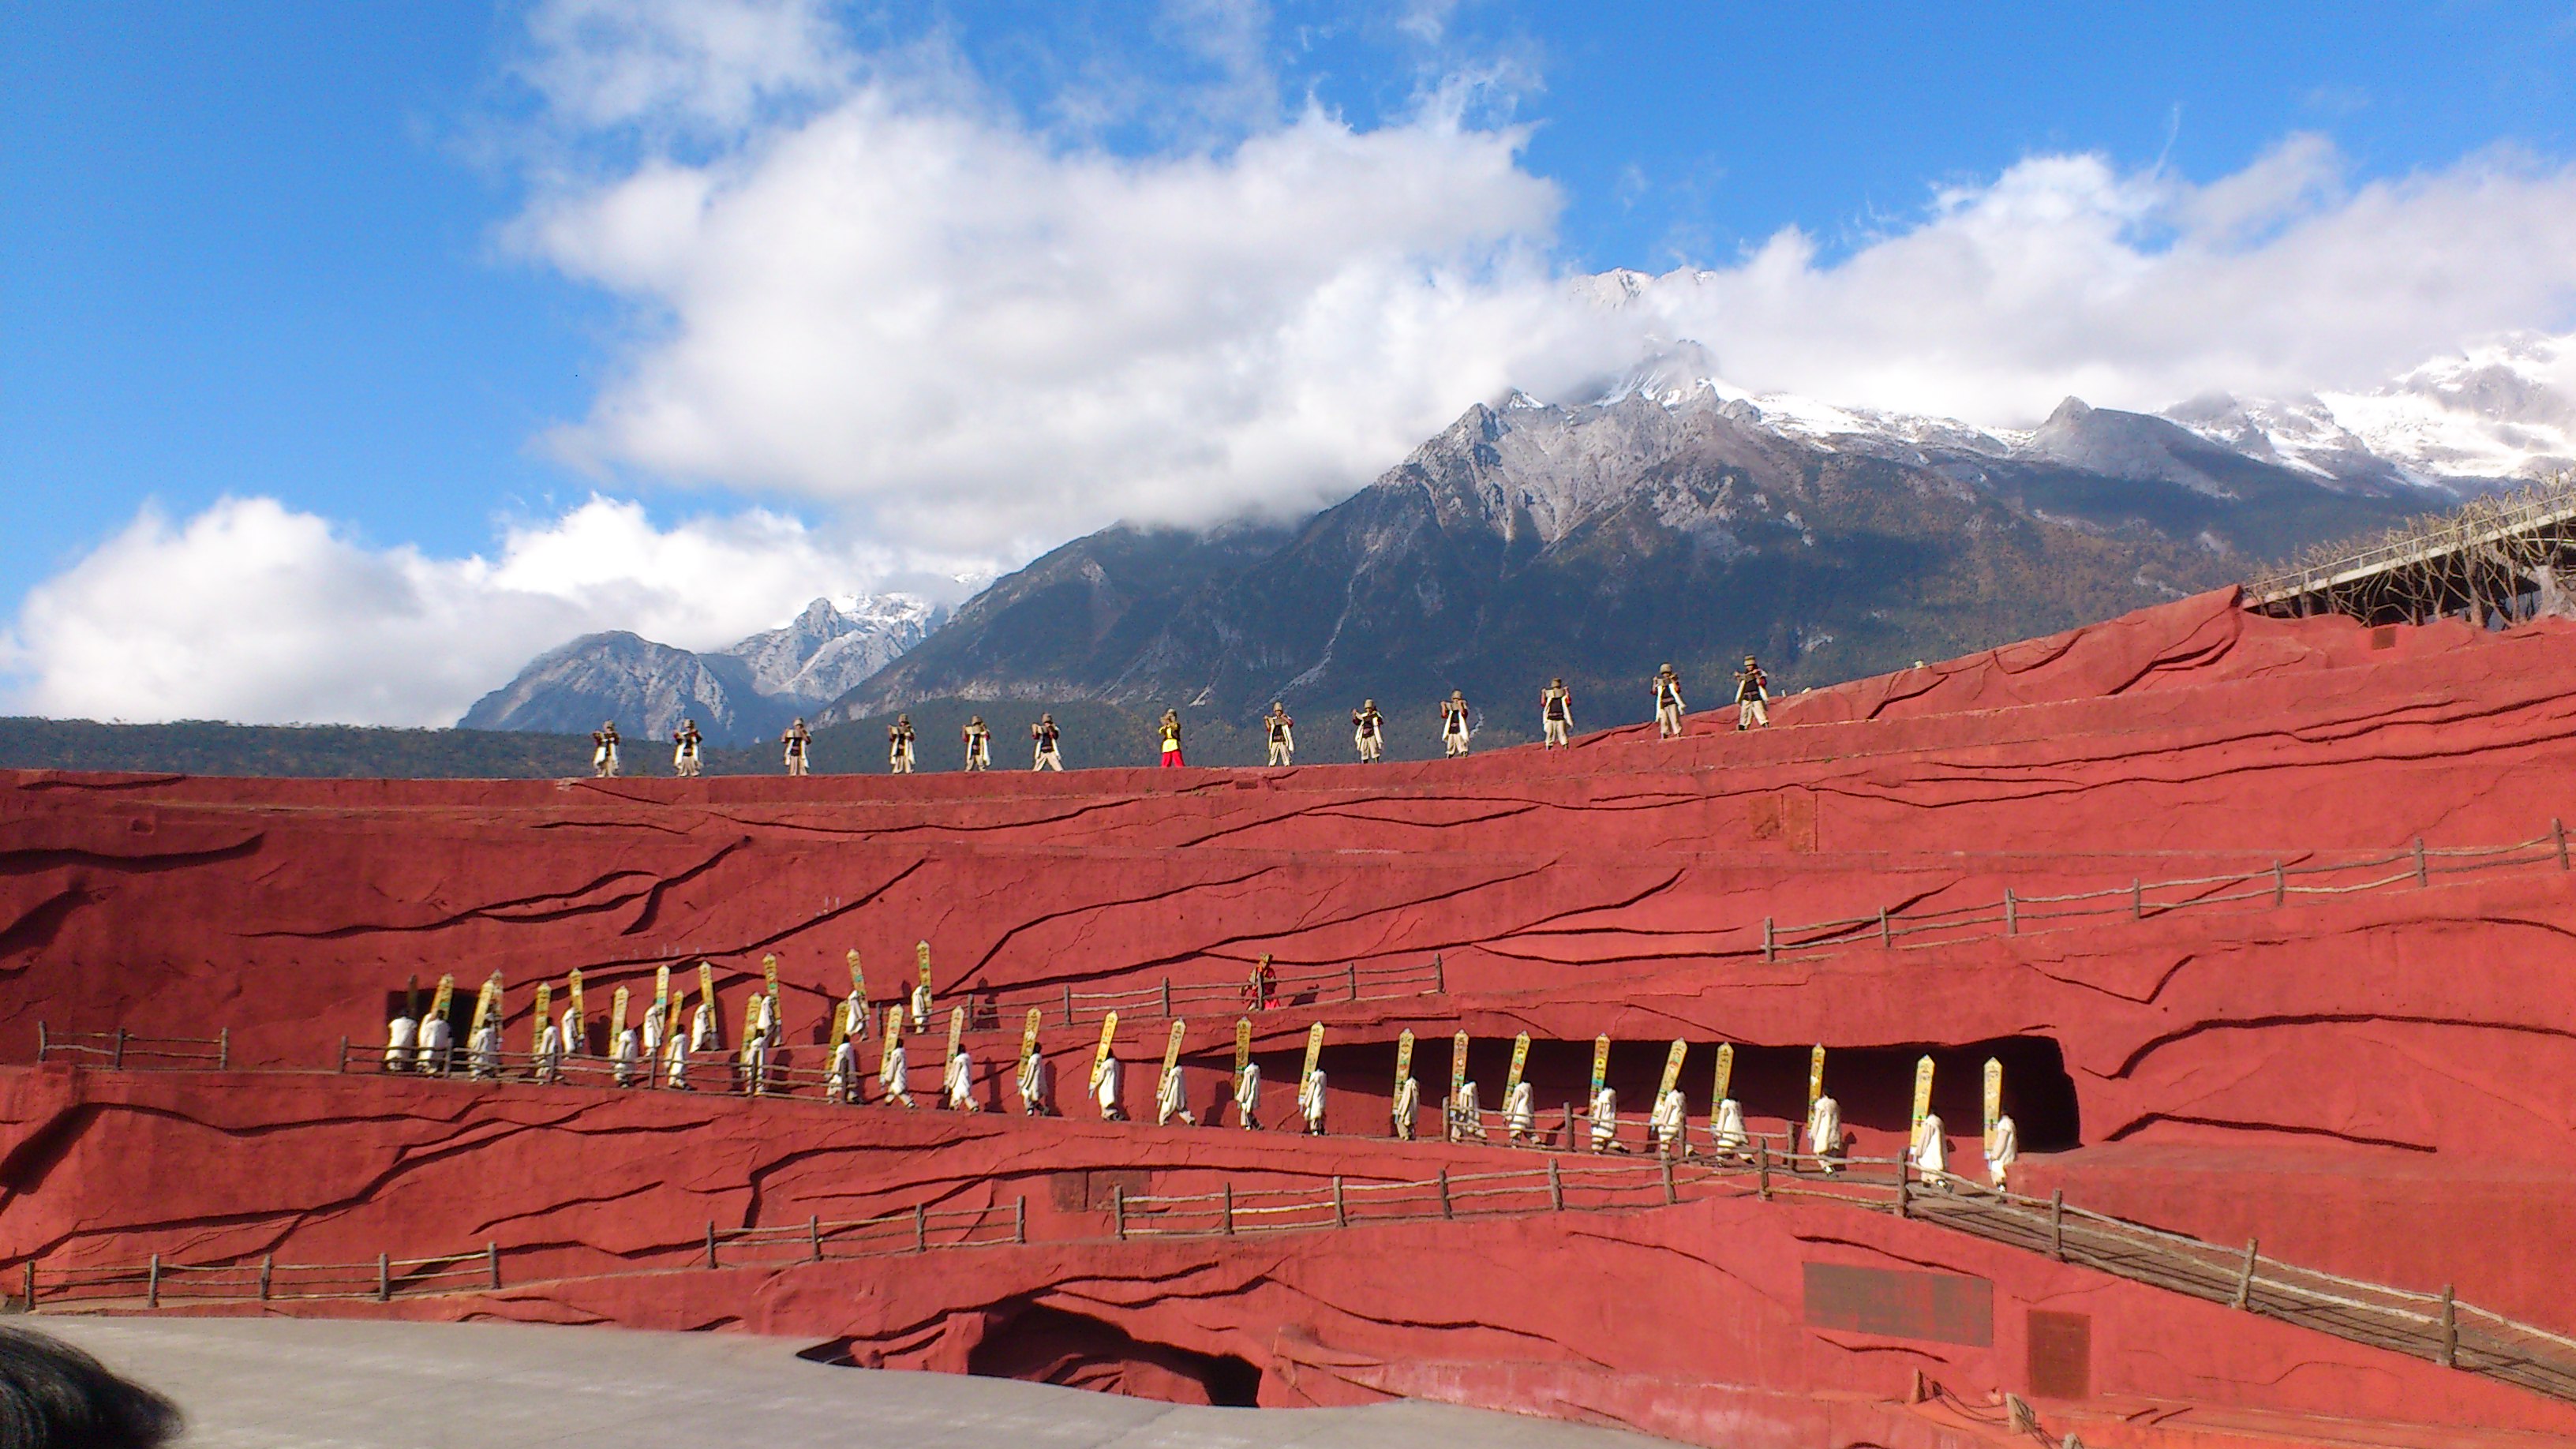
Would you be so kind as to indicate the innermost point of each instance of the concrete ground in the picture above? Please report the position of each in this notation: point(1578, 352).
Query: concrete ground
point(292, 1383)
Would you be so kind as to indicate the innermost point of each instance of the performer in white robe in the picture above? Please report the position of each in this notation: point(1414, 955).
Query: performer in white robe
point(487, 1052)
point(1104, 1088)
point(549, 1062)
point(1930, 1153)
point(2003, 1152)
point(652, 1036)
point(1726, 1129)
point(1466, 1114)
point(1247, 1098)
point(842, 1084)
point(1173, 1100)
point(678, 1077)
point(628, 1051)
point(1671, 1119)
point(1825, 1132)
point(854, 1010)
point(921, 1007)
point(1035, 1078)
point(575, 1036)
point(1408, 1103)
point(402, 1038)
point(961, 1083)
point(1520, 1114)
point(434, 1039)
point(1310, 1102)
point(896, 1076)
point(755, 1065)
point(1605, 1120)
point(702, 1029)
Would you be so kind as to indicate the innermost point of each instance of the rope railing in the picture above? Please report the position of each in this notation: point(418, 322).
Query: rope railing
point(158, 1281)
point(123, 1049)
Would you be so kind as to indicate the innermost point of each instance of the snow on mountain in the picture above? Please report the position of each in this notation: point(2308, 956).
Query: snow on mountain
point(739, 694)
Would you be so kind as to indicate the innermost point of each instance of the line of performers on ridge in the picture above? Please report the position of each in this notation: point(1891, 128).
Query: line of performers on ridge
point(1368, 730)
point(640, 1055)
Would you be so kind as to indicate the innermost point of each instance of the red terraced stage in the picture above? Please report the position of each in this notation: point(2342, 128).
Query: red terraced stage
point(2267, 921)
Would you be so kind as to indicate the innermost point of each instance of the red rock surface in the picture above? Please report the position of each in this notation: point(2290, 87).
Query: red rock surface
point(2327, 1074)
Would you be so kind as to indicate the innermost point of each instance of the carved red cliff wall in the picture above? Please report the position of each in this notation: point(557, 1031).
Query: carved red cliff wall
point(2327, 1073)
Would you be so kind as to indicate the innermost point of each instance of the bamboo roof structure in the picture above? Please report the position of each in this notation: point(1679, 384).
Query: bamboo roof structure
point(2485, 555)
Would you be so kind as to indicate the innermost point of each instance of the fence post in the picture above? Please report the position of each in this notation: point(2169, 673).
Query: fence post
point(384, 1278)
point(1341, 1209)
point(1227, 1223)
point(1762, 1169)
point(343, 1068)
point(711, 1242)
point(1672, 1194)
point(2421, 876)
point(1355, 980)
point(1440, 973)
point(2245, 1281)
point(1020, 1219)
point(2280, 884)
point(1167, 996)
point(1904, 1179)
point(223, 1048)
point(1118, 1211)
point(1446, 1211)
point(31, 1285)
point(1068, 1005)
point(1885, 937)
point(814, 1234)
point(1568, 1128)
point(267, 1274)
point(920, 1228)
point(1555, 1188)
point(492, 1263)
point(2450, 1329)
point(2557, 832)
point(118, 1061)
point(152, 1283)
point(2137, 899)
point(1770, 941)
point(2057, 1224)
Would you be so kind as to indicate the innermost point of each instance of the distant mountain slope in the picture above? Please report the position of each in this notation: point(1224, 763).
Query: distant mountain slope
point(1595, 542)
point(739, 695)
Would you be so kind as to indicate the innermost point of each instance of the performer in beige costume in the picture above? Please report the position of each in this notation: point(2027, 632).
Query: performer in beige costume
point(1556, 714)
point(1283, 734)
point(685, 742)
point(1368, 732)
point(1047, 736)
point(1454, 728)
point(899, 740)
point(979, 744)
point(798, 742)
point(603, 751)
point(1668, 704)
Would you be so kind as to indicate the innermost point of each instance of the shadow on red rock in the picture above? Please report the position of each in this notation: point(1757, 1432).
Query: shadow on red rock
point(1041, 1345)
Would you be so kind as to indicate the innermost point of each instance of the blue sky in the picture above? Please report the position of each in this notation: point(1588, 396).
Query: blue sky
point(376, 266)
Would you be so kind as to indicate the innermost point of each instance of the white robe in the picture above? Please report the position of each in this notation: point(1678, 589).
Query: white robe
point(755, 1064)
point(434, 1039)
point(653, 1036)
point(2003, 1152)
point(1825, 1131)
point(1605, 1119)
point(1104, 1089)
point(921, 1008)
point(854, 1015)
point(1520, 1113)
point(628, 1051)
point(1173, 1100)
point(679, 1074)
point(1408, 1104)
point(1034, 1079)
point(575, 1037)
point(550, 1054)
point(961, 1083)
point(1930, 1153)
point(1726, 1130)
point(1310, 1100)
point(1466, 1114)
point(1671, 1119)
point(402, 1035)
point(1247, 1097)
point(702, 1030)
point(896, 1077)
point(840, 1083)
point(487, 1052)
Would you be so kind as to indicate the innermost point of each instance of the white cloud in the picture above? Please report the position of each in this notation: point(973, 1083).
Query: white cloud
point(251, 611)
point(2135, 289)
point(961, 331)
